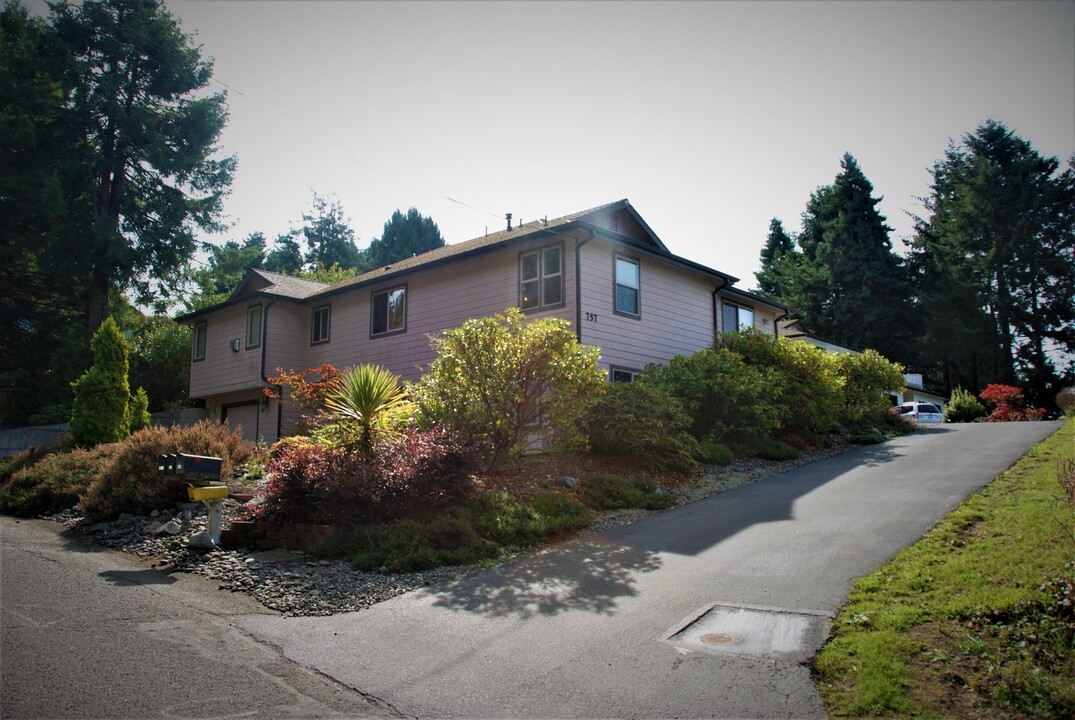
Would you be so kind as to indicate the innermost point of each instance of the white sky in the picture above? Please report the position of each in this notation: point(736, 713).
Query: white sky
point(710, 117)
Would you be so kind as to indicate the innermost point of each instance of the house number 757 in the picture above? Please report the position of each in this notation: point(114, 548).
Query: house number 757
point(591, 317)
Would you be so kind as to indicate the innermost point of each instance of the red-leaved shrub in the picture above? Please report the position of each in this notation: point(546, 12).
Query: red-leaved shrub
point(405, 477)
point(1008, 404)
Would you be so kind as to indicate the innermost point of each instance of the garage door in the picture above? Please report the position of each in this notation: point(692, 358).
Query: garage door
point(247, 416)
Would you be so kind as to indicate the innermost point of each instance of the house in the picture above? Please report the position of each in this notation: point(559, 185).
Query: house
point(604, 270)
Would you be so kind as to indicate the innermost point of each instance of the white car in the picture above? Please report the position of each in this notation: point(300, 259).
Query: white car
point(920, 412)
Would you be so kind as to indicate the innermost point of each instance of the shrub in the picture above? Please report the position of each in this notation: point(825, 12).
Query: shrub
point(876, 426)
point(1065, 400)
point(131, 483)
point(640, 420)
point(405, 477)
point(963, 407)
point(770, 449)
point(14, 463)
point(711, 453)
point(560, 513)
point(55, 482)
point(139, 411)
point(498, 381)
point(413, 545)
point(809, 393)
point(1008, 405)
point(367, 401)
point(868, 378)
point(721, 393)
point(307, 391)
point(500, 518)
point(100, 413)
point(611, 492)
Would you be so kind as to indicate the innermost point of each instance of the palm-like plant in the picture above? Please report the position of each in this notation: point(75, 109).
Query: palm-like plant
point(368, 401)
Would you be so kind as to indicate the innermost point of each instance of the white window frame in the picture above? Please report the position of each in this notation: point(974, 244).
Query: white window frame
point(325, 324)
point(636, 288)
point(251, 312)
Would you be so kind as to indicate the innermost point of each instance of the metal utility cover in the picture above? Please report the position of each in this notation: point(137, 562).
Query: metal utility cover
point(754, 631)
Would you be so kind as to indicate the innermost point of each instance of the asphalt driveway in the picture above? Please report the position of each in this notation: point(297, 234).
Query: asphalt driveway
point(712, 609)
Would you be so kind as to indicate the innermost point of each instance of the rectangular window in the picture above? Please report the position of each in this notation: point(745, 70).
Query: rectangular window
point(253, 327)
point(541, 278)
point(389, 311)
point(627, 287)
point(737, 318)
point(319, 321)
point(621, 375)
point(199, 341)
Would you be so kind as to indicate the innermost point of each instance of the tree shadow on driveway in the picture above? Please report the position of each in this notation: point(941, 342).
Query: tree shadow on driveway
point(595, 572)
point(589, 574)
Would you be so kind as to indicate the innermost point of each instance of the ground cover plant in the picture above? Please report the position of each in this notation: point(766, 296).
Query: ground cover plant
point(55, 481)
point(975, 620)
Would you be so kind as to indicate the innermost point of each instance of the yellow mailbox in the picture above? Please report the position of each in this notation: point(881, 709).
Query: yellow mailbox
point(212, 492)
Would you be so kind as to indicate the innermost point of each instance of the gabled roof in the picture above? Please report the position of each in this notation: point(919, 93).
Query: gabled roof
point(273, 284)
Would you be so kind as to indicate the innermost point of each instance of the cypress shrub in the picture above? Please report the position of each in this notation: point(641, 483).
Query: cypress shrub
point(100, 413)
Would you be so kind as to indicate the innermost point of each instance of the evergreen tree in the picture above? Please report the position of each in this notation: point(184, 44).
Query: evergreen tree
point(779, 259)
point(995, 263)
point(404, 236)
point(139, 410)
point(149, 134)
point(329, 239)
point(225, 269)
point(286, 255)
point(101, 412)
point(846, 284)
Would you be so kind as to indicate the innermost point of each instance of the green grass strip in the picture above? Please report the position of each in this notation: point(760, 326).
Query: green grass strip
point(977, 617)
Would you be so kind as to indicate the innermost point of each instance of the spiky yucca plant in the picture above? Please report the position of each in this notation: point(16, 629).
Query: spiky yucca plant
point(367, 401)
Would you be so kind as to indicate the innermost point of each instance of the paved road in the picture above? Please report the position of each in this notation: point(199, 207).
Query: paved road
point(90, 633)
point(708, 610)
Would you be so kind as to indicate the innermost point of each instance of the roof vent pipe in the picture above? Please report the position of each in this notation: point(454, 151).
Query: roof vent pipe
point(508, 216)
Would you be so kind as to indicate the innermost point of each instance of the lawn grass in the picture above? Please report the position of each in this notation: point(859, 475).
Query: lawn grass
point(975, 620)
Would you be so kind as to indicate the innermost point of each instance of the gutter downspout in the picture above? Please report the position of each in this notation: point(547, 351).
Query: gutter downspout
point(716, 315)
point(264, 377)
point(578, 284)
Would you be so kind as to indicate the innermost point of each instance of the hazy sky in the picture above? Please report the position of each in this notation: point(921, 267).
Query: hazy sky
point(710, 117)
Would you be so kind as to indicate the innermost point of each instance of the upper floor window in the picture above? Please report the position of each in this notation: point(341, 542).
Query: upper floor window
point(389, 311)
point(319, 322)
point(737, 317)
point(627, 287)
point(253, 327)
point(199, 340)
point(541, 278)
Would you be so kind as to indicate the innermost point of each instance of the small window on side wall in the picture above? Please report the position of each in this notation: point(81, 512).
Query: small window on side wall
point(389, 311)
point(627, 287)
point(319, 324)
point(622, 375)
point(737, 318)
point(253, 327)
point(199, 341)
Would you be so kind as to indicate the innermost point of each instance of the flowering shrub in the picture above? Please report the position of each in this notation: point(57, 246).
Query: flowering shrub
point(404, 477)
point(1008, 404)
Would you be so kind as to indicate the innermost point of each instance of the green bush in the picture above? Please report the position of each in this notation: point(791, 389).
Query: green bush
point(723, 395)
point(640, 420)
point(868, 380)
point(711, 453)
point(131, 483)
point(54, 482)
point(498, 381)
point(876, 426)
point(415, 545)
point(560, 513)
point(499, 517)
point(139, 410)
point(100, 412)
point(963, 406)
point(770, 449)
point(611, 492)
point(1065, 400)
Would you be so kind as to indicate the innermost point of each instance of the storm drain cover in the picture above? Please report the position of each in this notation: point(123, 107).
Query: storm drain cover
point(750, 630)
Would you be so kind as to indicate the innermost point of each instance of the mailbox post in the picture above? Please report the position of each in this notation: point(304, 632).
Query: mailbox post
point(203, 474)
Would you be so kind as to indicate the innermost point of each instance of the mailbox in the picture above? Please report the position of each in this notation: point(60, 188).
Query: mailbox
point(193, 467)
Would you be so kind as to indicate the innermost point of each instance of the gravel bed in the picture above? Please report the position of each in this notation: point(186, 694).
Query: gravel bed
point(295, 584)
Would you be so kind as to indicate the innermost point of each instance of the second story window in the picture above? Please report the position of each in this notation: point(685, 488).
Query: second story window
point(389, 311)
point(253, 327)
point(627, 287)
point(319, 322)
point(199, 340)
point(541, 278)
point(737, 317)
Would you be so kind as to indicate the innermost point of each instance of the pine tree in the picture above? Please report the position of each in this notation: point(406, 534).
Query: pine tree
point(404, 236)
point(101, 412)
point(779, 259)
